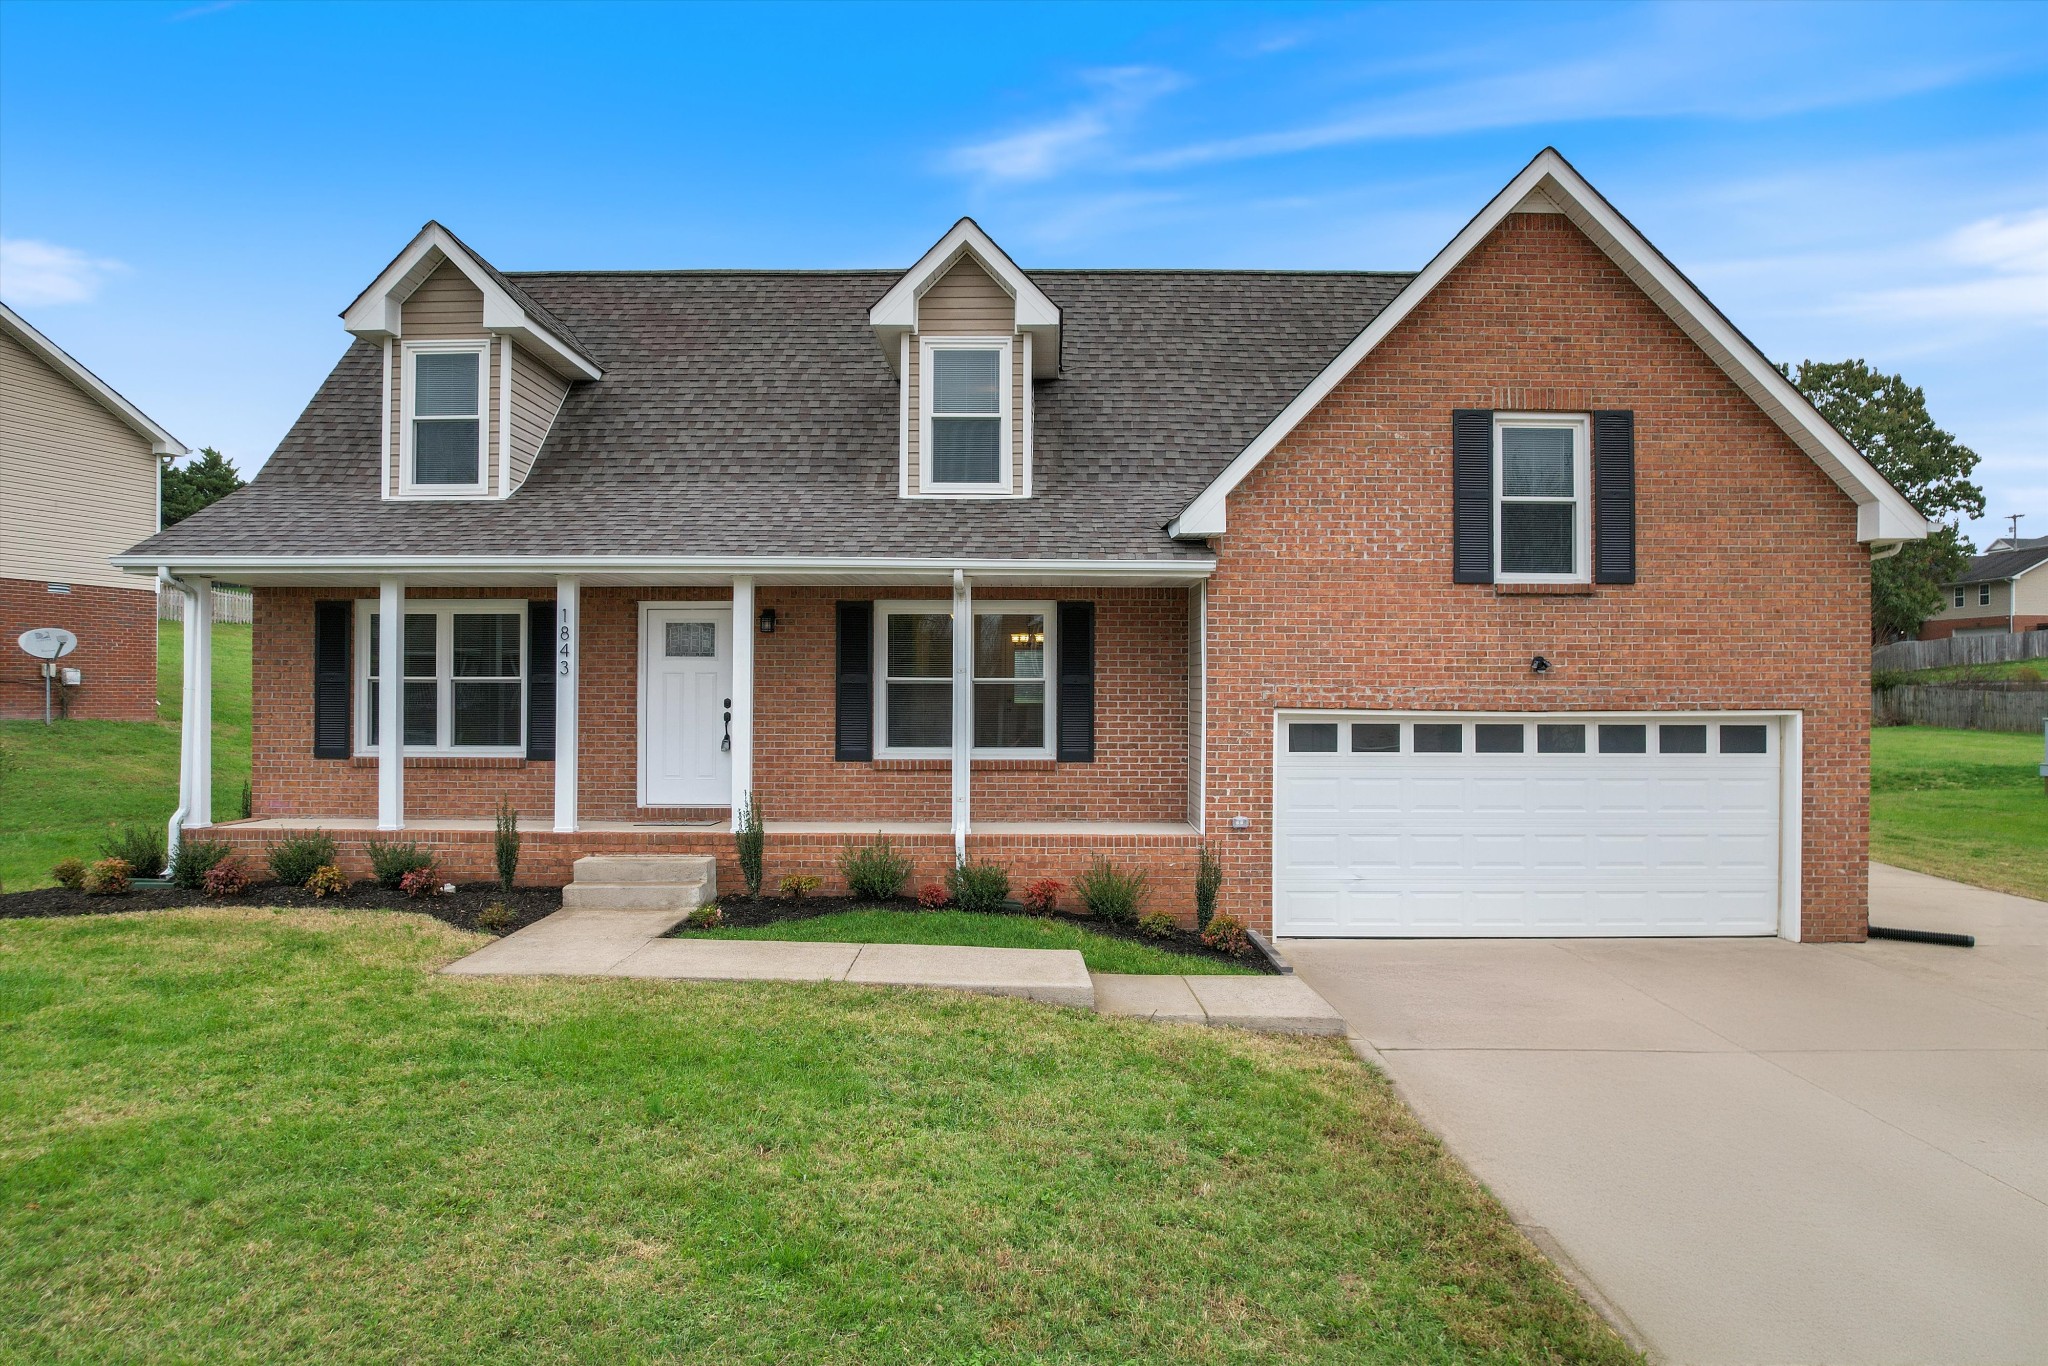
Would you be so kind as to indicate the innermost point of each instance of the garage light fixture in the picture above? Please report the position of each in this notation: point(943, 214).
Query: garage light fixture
point(1539, 665)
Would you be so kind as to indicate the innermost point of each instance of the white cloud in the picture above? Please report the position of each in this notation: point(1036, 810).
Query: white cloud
point(2009, 282)
point(1048, 148)
point(38, 273)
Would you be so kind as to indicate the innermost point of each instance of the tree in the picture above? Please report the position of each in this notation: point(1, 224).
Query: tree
point(1887, 420)
point(206, 479)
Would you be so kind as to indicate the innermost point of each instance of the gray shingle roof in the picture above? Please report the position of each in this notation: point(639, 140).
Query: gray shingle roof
point(752, 413)
point(2003, 564)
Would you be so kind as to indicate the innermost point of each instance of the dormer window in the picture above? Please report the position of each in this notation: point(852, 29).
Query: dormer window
point(444, 418)
point(967, 416)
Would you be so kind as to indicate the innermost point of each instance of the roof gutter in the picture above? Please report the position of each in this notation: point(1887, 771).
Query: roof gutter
point(940, 570)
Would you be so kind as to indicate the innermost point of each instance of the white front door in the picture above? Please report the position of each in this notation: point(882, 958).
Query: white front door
point(686, 706)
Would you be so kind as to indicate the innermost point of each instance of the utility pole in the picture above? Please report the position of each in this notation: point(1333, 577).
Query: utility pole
point(2012, 520)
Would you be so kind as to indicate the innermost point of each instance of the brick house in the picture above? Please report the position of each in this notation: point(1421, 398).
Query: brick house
point(1434, 603)
point(80, 466)
point(2004, 589)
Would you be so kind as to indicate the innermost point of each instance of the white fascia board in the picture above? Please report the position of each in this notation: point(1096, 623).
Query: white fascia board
point(938, 569)
point(142, 424)
point(896, 313)
point(377, 314)
point(1883, 513)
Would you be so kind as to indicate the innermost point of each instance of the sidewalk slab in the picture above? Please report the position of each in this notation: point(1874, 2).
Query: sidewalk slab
point(1147, 998)
point(740, 960)
point(1272, 1005)
point(1054, 976)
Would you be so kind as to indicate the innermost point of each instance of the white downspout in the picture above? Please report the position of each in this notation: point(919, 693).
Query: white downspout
point(963, 711)
point(166, 579)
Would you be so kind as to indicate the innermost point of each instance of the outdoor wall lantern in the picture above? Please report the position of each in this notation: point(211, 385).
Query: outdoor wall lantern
point(767, 621)
point(1539, 665)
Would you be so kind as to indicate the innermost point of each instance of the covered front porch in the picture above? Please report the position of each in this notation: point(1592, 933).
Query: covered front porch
point(641, 711)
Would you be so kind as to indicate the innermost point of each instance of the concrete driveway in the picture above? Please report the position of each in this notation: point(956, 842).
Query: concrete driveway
point(1750, 1150)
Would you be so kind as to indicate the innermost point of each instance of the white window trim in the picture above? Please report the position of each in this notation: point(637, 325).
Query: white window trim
point(407, 487)
point(444, 673)
point(1006, 412)
point(943, 607)
point(1579, 424)
point(1983, 595)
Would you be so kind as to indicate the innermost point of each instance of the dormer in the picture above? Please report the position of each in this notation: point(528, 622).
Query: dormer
point(967, 332)
point(475, 371)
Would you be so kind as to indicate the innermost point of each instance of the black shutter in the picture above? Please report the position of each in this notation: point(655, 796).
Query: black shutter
point(540, 679)
point(1614, 497)
point(1076, 648)
point(331, 679)
point(1472, 495)
point(854, 734)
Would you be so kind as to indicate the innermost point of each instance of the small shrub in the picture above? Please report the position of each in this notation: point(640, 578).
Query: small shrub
point(108, 877)
point(752, 843)
point(1208, 881)
point(421, 882)
point(69, 873)
point(230, 877)
point(294, 860)
point(1884, 680)
point(797, 886)
point(195, 860)
point(1156, 925)
point(875, 870)
point(705, 917)
point(248, 800)
point(979, 887)
point(389, 863)
point(505, 846)
point(496, 917)
point(1227, 934)
point(2026, 673)
point(327, 880)
point(1112, 893)
point(138, 845)
point(932, 896)
point(1043, 896)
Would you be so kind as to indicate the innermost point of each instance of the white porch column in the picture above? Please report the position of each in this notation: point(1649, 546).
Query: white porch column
point(390, 704)
point(568, 646)
point(740, 705)
point(963, 710)
point(198, 722)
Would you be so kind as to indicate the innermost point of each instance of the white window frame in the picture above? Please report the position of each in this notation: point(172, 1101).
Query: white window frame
point(1580, 425)
point(1006, 413)
point(407, 485)
point(983, 607)
point(444, 672)
point(1983, 595)
point(1959, 596)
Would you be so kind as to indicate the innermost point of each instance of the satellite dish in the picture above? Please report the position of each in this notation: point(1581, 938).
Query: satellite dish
point(48, 642)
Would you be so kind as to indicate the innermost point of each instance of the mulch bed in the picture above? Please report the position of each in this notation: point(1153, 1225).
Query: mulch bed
point(459, 908)
point(743, 912)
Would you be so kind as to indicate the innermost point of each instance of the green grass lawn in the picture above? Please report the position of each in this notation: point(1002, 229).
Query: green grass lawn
point(258, 1135)
point(68, 781)
point(1101, 952)
point(1962, 804)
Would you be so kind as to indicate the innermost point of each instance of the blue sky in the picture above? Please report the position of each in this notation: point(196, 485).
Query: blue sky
point(190, 192)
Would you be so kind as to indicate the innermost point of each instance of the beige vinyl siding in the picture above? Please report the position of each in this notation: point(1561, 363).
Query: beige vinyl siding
point(537, 394)
point(967, 302)
point(1998, 606)
point(2032, 588)
point(81, 484)
point(446, 307)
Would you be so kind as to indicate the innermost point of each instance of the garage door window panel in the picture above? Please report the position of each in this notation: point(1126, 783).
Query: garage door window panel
point(1687, 739)
point(1312, 737)
point(1376, 737)
point(1744, 739)
point(1497, 738)
point(1624, 739)
point(1560, 738)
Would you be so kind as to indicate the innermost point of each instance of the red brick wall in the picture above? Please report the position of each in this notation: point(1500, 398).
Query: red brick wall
point(116, 630)
point(1334, 583)
point(1139, 773)
point(1942, 630)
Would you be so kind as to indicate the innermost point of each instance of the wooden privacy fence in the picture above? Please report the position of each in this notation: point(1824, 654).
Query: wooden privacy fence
point(1930, 704)
point(231, 606)
point(1939, 654)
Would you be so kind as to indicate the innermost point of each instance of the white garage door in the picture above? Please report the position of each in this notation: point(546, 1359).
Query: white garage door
point(1445, 825)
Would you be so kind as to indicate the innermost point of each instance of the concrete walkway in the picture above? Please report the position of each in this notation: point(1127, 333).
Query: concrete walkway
point(630, 943)
point(1755, 1151)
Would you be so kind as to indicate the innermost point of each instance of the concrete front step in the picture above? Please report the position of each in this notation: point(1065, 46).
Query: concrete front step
point(679, 870)
point(635, 896)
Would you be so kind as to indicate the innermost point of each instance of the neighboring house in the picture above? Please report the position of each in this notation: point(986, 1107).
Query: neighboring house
point(79, 464)
point(1436, 603)
point(2005, 590)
